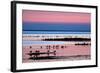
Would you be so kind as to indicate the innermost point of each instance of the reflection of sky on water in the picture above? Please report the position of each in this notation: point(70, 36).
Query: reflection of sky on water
point(50, 34)
point(26, 43)
point(40, 34)
point(53, 32)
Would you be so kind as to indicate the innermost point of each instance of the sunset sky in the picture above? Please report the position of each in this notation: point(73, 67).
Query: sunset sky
point(53, 20)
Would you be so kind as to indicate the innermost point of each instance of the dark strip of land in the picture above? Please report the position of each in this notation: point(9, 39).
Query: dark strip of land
point(67, 39)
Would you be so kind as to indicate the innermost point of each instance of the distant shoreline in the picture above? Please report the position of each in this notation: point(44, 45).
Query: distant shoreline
point(68, 39)
point(54, 32)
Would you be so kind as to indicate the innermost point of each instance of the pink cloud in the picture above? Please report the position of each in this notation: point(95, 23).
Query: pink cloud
point(51, 16)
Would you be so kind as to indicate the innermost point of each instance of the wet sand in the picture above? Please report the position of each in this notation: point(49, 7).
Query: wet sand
point(68, 52)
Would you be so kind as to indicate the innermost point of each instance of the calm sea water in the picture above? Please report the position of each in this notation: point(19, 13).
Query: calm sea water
point(54, 32)
point(70, 52)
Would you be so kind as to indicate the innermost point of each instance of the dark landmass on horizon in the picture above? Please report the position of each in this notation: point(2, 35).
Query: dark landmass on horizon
point(67, 39)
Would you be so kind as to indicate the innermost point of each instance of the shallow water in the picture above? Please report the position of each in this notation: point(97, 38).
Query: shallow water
point(65, 50)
